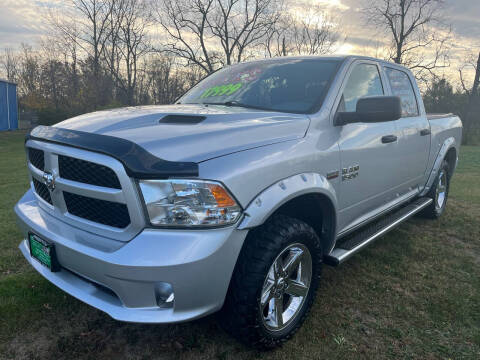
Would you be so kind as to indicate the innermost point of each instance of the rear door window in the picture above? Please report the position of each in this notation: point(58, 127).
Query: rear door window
point(402, 87)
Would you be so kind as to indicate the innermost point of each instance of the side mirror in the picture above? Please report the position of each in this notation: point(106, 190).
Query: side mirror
point(372, 109)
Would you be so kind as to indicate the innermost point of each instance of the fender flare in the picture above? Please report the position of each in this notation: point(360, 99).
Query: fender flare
point(446, 146)
point(278, 194)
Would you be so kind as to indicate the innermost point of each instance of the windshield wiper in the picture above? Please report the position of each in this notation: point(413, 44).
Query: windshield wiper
point(234, 103)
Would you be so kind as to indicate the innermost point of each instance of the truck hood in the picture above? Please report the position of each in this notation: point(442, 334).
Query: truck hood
point(192, 132)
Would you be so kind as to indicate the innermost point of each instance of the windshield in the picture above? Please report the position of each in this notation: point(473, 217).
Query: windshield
point(290, 85)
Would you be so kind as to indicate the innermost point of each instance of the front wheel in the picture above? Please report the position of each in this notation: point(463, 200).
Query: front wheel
point(274, 283)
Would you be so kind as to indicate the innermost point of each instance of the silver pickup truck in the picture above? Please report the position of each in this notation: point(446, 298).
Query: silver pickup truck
point(233, 198)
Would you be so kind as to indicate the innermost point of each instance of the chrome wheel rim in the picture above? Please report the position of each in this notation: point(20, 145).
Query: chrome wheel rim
point(286, 287)
point(441, 191)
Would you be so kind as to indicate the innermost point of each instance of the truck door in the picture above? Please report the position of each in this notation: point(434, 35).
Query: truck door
point(368, 151)
point(413, 128)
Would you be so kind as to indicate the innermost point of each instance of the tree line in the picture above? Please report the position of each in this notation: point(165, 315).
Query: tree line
point(109, 53)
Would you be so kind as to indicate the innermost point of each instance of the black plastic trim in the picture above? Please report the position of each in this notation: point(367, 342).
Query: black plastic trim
point(138, 162)
point(182, 119)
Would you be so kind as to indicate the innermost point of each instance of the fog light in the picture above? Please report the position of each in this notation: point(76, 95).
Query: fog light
point(164, 295)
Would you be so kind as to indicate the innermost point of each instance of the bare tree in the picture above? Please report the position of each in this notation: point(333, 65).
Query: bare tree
point(240, 24)
point(417, 32)
point(187, 31)
point(313, 33)
point(472, 111)
point(210, 33)
point(87, 23)
point(94, 15)
point(128, 42)
point(29, 76)
point(62, 47)
point(472, 63)
point(111, 50)
point(9, 63)
point(92, 25)
point(164, 80)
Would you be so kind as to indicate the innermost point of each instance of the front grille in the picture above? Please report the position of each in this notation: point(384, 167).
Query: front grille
point(100, 211)
point(87, 172)
point(36, 158)
point(42, 190)
point(94, 192)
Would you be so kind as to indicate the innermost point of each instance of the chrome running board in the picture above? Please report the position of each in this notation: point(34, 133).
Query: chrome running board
point(355, 242)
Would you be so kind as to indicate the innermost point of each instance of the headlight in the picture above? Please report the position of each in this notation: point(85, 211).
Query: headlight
point(188, 203)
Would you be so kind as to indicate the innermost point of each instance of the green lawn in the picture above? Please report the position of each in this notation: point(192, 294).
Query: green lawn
point(413, 294)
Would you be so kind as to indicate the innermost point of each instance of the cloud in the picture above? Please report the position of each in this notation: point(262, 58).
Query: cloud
point(23, 21)
point(465, 16)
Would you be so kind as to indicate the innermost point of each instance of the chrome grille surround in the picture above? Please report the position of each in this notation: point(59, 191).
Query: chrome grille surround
point(127, 195)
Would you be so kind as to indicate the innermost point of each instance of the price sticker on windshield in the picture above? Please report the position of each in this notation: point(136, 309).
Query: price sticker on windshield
point(220, 90)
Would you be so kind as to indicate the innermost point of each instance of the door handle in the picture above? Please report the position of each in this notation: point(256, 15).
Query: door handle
point(389, 139)
point(425, 132)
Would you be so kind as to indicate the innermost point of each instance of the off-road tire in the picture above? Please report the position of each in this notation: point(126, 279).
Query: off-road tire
point(241, 315)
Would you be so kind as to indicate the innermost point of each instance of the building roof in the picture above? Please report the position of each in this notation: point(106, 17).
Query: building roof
point(6, 81)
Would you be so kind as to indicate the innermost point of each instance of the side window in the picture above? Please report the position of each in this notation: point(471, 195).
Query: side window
point(402, 87)
point(363, 81)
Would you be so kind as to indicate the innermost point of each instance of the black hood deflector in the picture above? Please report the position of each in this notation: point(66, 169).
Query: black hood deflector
point(138, 162)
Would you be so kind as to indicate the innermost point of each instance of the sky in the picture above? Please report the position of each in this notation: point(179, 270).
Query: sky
point(23, 21)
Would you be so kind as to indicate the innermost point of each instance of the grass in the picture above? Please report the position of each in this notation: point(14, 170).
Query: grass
point(413, 294)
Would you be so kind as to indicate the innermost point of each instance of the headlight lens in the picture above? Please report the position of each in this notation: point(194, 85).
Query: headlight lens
point(188, 203)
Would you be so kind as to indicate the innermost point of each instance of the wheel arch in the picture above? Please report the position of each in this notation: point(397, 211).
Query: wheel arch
point(309, 197)
point(451, 158)
point(449, 152)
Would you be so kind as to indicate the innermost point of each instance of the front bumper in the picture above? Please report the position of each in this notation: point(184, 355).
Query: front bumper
point(121, 278)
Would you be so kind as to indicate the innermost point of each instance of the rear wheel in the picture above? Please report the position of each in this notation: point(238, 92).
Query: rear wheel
point(439, 193)
point(274, 283)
